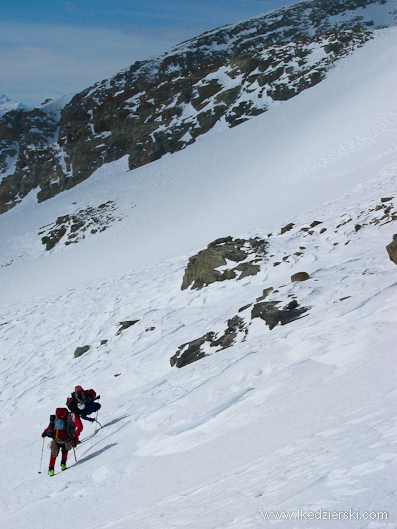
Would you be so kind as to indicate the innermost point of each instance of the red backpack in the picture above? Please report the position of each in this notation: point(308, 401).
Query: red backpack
point(84, 396)
point(91, 394)
point(60, 425)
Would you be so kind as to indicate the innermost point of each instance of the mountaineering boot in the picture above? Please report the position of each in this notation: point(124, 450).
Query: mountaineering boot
point(51, 471)
point(63, 465)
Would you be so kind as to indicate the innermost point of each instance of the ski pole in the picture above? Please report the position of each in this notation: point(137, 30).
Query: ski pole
point(41, 459)
point(74, 451)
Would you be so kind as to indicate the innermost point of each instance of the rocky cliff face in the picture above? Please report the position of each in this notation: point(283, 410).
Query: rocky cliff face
point(162, 105)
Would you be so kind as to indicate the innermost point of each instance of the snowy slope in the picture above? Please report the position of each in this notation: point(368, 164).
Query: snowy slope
point(308, 150)
point(300, 417)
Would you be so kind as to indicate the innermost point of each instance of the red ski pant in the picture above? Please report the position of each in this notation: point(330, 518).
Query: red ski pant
point(57, 445)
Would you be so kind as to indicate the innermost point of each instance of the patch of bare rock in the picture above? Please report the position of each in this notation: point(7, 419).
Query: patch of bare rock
point(202, 268)
point(73, 228)
point(268, 311)
point(392, 249)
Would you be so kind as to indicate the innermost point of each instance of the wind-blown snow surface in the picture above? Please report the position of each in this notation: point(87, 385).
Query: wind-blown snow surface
point(300, 417)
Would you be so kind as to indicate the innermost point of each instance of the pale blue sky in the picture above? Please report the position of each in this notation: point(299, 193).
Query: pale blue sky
point(52, 48)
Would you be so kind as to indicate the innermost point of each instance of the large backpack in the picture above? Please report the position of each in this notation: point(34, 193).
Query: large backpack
point(90, 395)
point(71, 403)
point(81, 401)
point(61, 426)
point(81, 396)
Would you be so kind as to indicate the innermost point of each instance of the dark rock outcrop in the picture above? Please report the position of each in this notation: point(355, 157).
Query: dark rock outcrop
point(286, 228)
point(193, 351)
point(81, 350)
point(76, 226)
point(272, 315)
point(392, 249)
point(202, 268)
point(267, 311)
point(162, 105)
point(234, 326)
point(300, 276)
point(265, 293)
point(125, 325)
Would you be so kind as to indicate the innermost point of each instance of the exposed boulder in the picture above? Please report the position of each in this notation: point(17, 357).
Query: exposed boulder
point(125, 325)
point(81, 350)
point(286, 228)
point(300, 276)
point(267, 311)
point(265, 293)
point(202, 268)
point(392, 249)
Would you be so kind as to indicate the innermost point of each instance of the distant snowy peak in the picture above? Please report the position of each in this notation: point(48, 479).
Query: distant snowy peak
point(7, 104)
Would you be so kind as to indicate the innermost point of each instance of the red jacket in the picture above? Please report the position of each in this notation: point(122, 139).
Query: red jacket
point(78, 425)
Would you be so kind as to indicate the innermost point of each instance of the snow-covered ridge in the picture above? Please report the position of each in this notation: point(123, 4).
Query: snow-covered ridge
point(6, 104)
point(162, 105)
point(309, 17)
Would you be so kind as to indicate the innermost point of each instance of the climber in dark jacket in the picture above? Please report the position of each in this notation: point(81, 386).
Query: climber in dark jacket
point(83, 402)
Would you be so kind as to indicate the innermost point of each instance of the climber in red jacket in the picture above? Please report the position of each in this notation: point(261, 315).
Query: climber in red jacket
point(64, 428)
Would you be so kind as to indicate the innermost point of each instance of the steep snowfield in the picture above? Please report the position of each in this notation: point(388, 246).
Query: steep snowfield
point(306, 151)
point(300, 417)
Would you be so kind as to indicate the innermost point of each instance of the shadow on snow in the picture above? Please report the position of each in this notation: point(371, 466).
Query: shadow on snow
point(95, 454)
